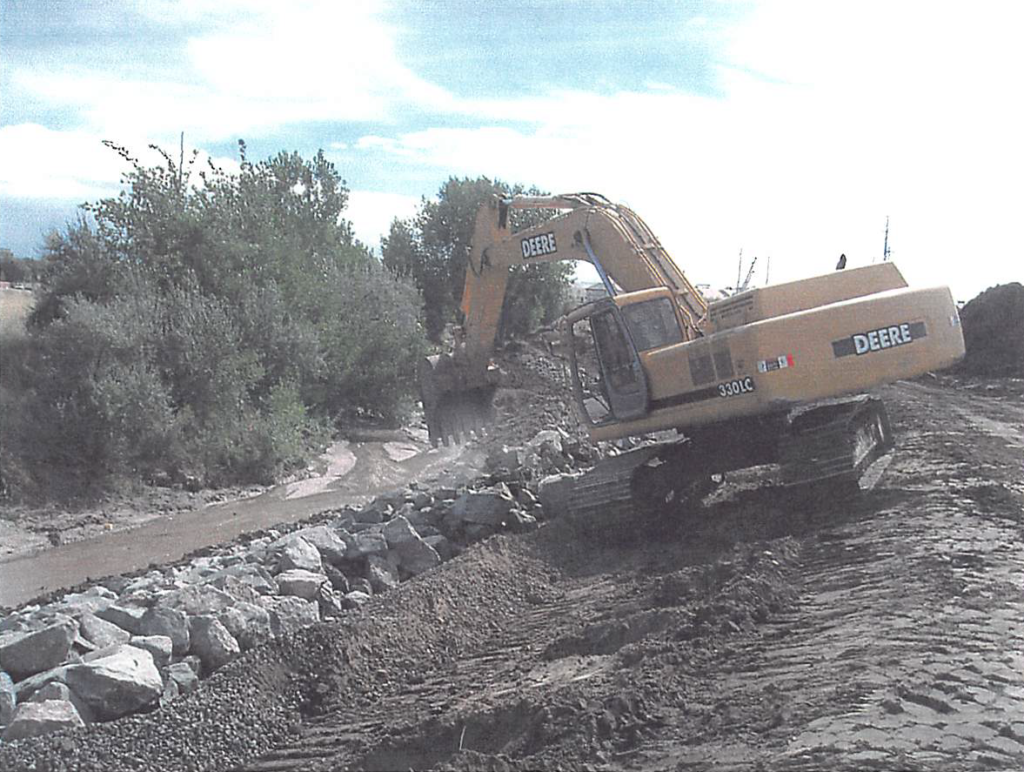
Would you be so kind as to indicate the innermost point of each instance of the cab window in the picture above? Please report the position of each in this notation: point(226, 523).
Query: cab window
point(652, 324)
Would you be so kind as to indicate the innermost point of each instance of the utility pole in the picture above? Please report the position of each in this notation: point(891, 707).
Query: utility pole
point(885, 248)
point(739, 272)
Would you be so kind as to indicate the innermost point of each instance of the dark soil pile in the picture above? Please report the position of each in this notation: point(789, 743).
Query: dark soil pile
point(994, 332)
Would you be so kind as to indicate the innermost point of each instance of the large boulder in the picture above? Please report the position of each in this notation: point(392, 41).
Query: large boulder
point(90, 601)
point(382, 573)
point(197, 600)
point(248, 623)
point(38, 718)
point(365, 543)
point(212, 643)
point(121, 682)
point(300, 583)
point(55, 690)
point(24, 654)
point(127, 617)
point(99, 632)
point(159, 646)
point(167, 621)
point(328, 542)
point(288, 614)
point(487, 507)
point(254, 575)
point(292, 551)
point(184, 676)
point(414, 554)
point(8, 699)
point(555, 493)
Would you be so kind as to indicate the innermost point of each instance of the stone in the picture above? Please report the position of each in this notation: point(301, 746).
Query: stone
point(292, 551)
point(124, 616)
point(328, 543)
point(329, 602)
point(34, 719)
point(197, 600)
point(487, 507)
point(300, 583)
point(254, 575)
point(417, 556)
point(182, 674)
point(288, 614)
point(371, 513)
point(547, 442)
point(521, 522)
point(508, 459)
point(422, 499)
point(90, 601)
point(382, 573)
point(337, 579)
point(354, 599)
point(555, 492)
point(248, 623)
point(99, 632)
point(171, 691)
point(8, 699)
point(25, 654)
point(159, 646)
point(365, 543)
point(122, 682)
point(398, 531)
point(55, 690)
point(212, 643)
point(169, 622)
point(27, 687)
point(445, 549)
point(238, 590)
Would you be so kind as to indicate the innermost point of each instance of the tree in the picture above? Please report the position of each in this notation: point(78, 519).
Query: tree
point(432, 248)
point(209, 322)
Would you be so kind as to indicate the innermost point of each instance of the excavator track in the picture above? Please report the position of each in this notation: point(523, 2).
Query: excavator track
point(834, 444)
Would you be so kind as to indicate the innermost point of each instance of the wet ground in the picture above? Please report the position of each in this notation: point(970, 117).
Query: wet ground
point(351, 473)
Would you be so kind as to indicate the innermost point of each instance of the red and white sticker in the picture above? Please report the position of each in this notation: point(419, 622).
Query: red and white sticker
point(779, 363)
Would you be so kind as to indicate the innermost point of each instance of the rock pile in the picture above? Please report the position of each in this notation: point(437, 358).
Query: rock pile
point(131, 644)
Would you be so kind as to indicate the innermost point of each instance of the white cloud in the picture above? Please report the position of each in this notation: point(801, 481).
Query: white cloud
point(36, 162)
point(255, 67)
point(371, 213)
point(40, 163)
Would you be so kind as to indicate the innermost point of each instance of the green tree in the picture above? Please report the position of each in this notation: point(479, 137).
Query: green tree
point(432, 248)
point(210, 323)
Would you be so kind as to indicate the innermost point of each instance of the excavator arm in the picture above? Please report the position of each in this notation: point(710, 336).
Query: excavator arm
point(457, 387)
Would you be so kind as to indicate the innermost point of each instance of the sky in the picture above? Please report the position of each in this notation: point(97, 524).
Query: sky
point(788, 130)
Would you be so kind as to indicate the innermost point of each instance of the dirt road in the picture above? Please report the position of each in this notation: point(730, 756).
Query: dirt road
point(885, 634)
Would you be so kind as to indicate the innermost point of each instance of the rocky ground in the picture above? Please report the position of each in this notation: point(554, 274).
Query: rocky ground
point(742, 634)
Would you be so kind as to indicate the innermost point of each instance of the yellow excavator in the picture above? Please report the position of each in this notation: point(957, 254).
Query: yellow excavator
point(752, 379)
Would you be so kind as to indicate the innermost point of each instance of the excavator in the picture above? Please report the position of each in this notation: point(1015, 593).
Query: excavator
point(760, 377)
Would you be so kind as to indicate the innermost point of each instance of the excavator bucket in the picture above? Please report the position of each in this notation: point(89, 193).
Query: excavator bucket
point(455, 404)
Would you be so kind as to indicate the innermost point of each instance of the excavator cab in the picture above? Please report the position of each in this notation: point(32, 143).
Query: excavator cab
point(612, 386)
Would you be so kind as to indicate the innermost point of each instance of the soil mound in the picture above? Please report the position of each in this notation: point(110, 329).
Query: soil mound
point(994, 332)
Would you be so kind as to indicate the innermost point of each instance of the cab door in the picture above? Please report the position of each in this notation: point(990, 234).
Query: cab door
point(622, 374)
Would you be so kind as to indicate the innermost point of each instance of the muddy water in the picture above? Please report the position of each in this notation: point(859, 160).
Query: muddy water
point(352, 473)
